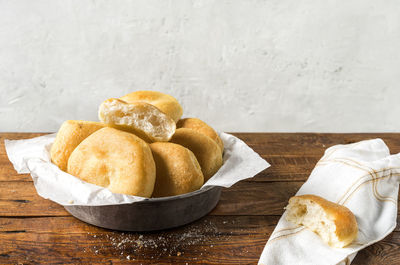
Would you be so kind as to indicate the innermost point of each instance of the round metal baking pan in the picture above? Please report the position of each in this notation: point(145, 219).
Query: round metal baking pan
point(152, 214)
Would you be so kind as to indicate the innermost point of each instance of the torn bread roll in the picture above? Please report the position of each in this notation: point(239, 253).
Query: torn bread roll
point(69, 136)
point(201, 127)
point(140, 118)
point(334, 223)
point(164, 102)
point(117, 160)
point(207, 151)
point(177, 170)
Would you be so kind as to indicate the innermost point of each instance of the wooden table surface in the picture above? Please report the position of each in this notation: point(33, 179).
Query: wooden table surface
point(37, 231)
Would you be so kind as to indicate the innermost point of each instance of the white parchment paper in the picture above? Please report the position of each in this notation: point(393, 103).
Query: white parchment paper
point(33, 156)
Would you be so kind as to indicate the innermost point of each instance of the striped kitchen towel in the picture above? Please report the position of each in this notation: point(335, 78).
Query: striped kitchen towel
point(362, 176)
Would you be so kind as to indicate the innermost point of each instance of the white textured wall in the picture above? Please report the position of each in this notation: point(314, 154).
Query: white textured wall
point(278, 65)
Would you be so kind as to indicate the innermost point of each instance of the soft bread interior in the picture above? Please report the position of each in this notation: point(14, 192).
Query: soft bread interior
point(313, 216)
point(138, 116)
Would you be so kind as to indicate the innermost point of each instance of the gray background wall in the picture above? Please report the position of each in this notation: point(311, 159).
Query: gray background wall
point(278, 65)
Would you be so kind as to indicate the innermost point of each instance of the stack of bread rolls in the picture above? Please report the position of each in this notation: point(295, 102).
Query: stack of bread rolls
point(140, 147)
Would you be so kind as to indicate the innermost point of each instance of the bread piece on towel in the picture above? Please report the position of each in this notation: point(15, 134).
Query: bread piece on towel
point(140, 118)
point(204, 148)
point(177, 170)
point(334, 223)
point(164, 102)
point(69, 136)
point(117, 160)
point(201, 127)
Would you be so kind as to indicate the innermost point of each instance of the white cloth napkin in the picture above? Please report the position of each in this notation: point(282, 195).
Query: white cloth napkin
point(362, 176)
point(33, 156)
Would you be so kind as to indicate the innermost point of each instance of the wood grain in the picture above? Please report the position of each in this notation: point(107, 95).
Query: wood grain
point(211, 240)
point(244, 198)
point(37, 231)
point(203, 240)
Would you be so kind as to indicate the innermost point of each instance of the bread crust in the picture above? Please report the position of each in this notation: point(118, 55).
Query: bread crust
point(205, 149)
point(140, 118)
point(201, 127)
point(166, 103)
point(69, 136)
point(177, 170)
point(344, 220)
point(117, 160)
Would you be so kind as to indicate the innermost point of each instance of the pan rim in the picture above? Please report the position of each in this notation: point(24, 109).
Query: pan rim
point(153, 200)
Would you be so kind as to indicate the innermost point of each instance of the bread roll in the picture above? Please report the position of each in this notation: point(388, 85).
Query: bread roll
point(69, 136)
point(207, 151)
point(201, 127)
point(334, 223)
point(177, 170)
point(117, 160)
point(143, 119)
point(166, 103)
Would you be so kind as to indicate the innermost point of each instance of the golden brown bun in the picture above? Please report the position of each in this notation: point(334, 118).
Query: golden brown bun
point(334, 223)
point(204, 148)
point(201, 127)
point(140, 118)
point(166, 103)
point(177, 170)
point(117, 160)
point(69, 136)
